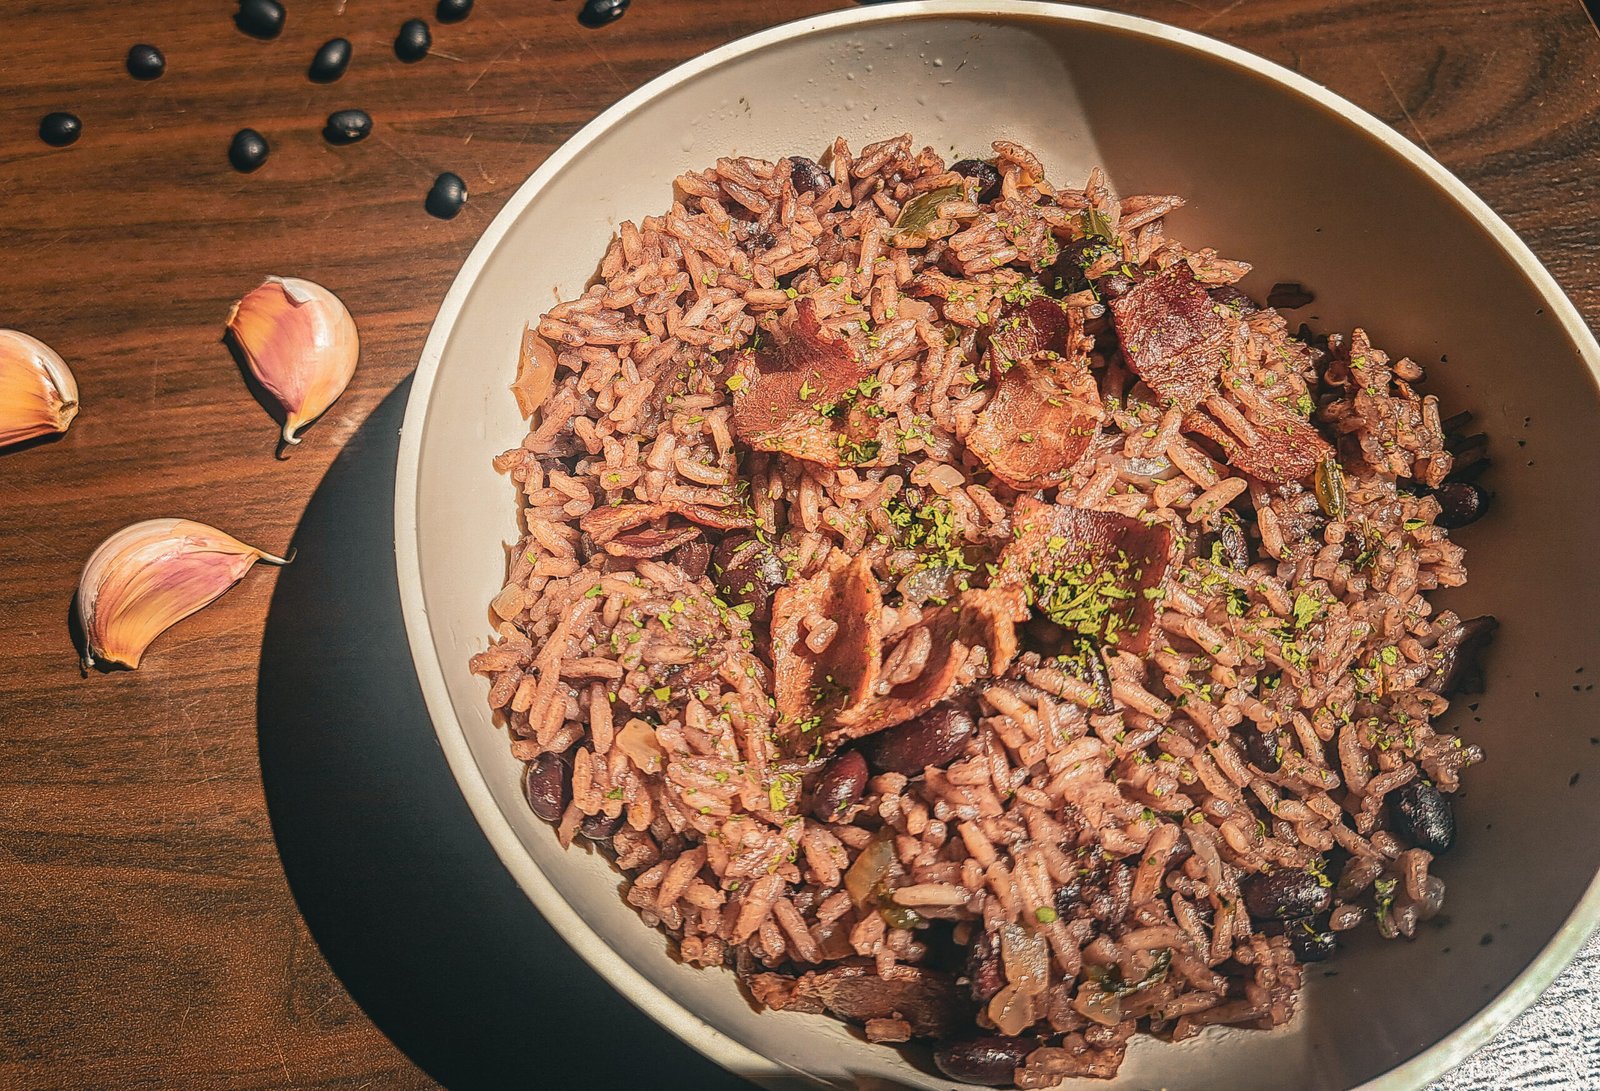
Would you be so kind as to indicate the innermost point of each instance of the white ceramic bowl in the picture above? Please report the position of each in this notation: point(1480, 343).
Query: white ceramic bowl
point(1278, 172)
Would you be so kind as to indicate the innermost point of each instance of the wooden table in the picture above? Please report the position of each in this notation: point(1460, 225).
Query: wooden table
point(240, 866)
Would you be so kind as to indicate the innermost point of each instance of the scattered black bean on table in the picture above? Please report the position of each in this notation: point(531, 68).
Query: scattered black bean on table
point(597, 13)
point(347, 126)
point(453, 11)
point(260, 18)
point(248, 150)
point(447, 196)
point(145, 62)
point(331, 60)
point(413, 41)
point(60, 128)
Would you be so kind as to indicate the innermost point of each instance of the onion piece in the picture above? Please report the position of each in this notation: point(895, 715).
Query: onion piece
point(868, 876)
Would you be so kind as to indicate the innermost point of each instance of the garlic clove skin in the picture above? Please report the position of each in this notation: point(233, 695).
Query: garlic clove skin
point(38, 394)
point(300, 342)
point(147, 577)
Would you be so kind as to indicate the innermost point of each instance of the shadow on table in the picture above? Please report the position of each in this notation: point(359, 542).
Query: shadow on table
point(407, 900)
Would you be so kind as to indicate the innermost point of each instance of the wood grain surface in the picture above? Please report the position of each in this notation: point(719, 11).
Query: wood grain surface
point(246, 865)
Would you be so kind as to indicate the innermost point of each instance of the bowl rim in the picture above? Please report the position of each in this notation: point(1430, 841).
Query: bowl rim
point(618, 972)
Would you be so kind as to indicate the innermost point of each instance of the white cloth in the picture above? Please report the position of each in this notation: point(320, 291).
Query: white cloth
point(1554, 1046)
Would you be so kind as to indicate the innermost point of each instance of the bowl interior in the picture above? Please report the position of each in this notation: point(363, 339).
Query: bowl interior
point(1272, 177)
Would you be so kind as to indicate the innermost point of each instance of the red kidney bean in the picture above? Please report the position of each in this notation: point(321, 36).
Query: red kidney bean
point(990, 1061)
point(547, 782)
point(1284, 895)
point(840, 786)
point(937, 738)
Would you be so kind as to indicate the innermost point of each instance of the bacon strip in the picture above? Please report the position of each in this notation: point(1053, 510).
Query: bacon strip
point(604, 524)
point(651, 543)
point(838, 695)
point(1114, 558)
point(1040, 422)
point(808, 685)
point(781, 392)
point(978, 619)
point(1286, 447)
point(1025, 330)
point(1173, 335)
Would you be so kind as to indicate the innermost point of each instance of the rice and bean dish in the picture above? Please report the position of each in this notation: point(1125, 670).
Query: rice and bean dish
point(958, 608)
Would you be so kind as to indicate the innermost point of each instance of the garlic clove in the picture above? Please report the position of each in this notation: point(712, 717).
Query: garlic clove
point(300, 342)
point(147, 577)
point(38, 395)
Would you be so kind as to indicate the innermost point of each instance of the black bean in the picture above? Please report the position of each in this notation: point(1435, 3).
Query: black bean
point(1065, 277)
point(985, 971)
point(1284, 895)
point(1115, 285)
point(693, 557)
point(413, 41)
point(547, 784)
point(987, 176)
point(60, 129)
point(446, 197)
point(1423, 816)
point(1311, 940)
point(145, 62)
point(1289, 295)
point(1076, 890)
point(347, 126)
point(1460, 503)
point(936, 738)
point(807, 175)
point(260, 18)
point(1235, 548)
point(597, 13)
point(1265, 748)
point(331, 60)
point(1457, 669)
point(600, 827)
point(748, 571)
point(453, 11)
point(840, 786)
point(248, 150)
point(1234, 299)
point(990, 1061)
